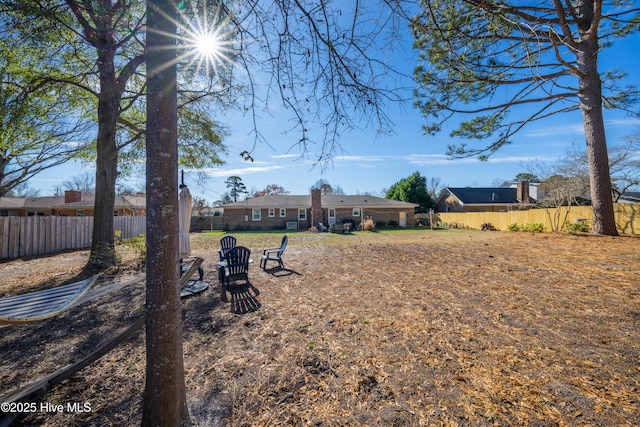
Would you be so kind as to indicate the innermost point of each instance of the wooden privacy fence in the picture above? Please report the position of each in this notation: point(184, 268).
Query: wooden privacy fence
point(627, 217)
point(40, 235)
point(200, 223)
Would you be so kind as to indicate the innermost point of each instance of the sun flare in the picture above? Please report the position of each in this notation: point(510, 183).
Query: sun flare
point(207, 42)
point(208, 46)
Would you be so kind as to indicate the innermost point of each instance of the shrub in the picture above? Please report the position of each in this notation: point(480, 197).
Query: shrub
point(351, 222)
point(139, 245)
point(579, 226)
point(533, 228)
point(380, 224)
point(513, 227)
point(392, 224)
point(368, 225)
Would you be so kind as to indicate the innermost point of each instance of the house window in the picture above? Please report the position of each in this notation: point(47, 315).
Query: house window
point(80, 212)
point(256, 214)
point(272, 212)
point(302, 214)
point(283, 212)
point(356, 212)
point(4, 212)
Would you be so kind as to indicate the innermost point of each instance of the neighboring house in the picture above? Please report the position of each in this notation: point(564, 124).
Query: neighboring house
point(496, 199)
point(301, 212)
point(73, 203)
point(629, 197)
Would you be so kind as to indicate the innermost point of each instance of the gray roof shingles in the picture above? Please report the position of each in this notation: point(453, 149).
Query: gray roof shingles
point(57, 202)
point(327, 201)
point(485, 195)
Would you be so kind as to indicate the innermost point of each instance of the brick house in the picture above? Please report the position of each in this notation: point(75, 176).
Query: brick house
point(73, 203)
point(301, 212)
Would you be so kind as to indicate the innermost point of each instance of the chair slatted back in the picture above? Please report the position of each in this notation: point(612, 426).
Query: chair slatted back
point(237, 262)
point(283, 245)
point(226, 243)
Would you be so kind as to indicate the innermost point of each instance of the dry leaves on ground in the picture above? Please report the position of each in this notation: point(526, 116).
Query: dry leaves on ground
point(416, 327)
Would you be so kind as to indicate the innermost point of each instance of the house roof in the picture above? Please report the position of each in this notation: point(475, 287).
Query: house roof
point(11, 203)
point(630, 197)
point(88, 201)
point(333, 201)
point(283, 201)
point(31, 202)
point(482, 196)
point(57, 202)
point(46, 202)
point(326, 201)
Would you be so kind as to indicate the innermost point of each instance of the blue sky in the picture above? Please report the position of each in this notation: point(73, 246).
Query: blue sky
point(371, 163)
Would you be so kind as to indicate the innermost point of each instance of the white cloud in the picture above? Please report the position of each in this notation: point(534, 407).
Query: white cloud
point(433, 159)
point(569, 129)
point(442, 160)
point(285, 156)
point(627, 121)
point(436, 159)
point(348, 158)
point(577, 128)
point(519, 159)
point(243, 171)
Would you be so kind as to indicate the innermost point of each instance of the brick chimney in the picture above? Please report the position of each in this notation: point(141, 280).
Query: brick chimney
point(522, 193)
point(71, 196)
point(316, 206)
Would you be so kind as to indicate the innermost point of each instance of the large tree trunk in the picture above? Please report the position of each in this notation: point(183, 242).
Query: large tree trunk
point(165, 394)
point(590, 94)
point(102, 240)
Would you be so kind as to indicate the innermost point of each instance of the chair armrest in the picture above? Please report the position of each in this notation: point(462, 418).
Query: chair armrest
point(264, 252)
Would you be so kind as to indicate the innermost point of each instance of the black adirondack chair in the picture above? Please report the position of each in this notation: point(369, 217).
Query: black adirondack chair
point(226, 243)
point(274, 254)
point(237, 265)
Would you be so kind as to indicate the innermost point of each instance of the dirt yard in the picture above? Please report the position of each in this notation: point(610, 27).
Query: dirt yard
point(407, 328)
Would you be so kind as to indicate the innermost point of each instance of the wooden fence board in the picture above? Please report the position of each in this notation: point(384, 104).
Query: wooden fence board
point(14, 237)
point(57, 235)
point(43, 225)
point(4, 236)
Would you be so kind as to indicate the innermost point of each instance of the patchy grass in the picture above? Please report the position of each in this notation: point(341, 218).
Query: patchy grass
point(393, 327)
